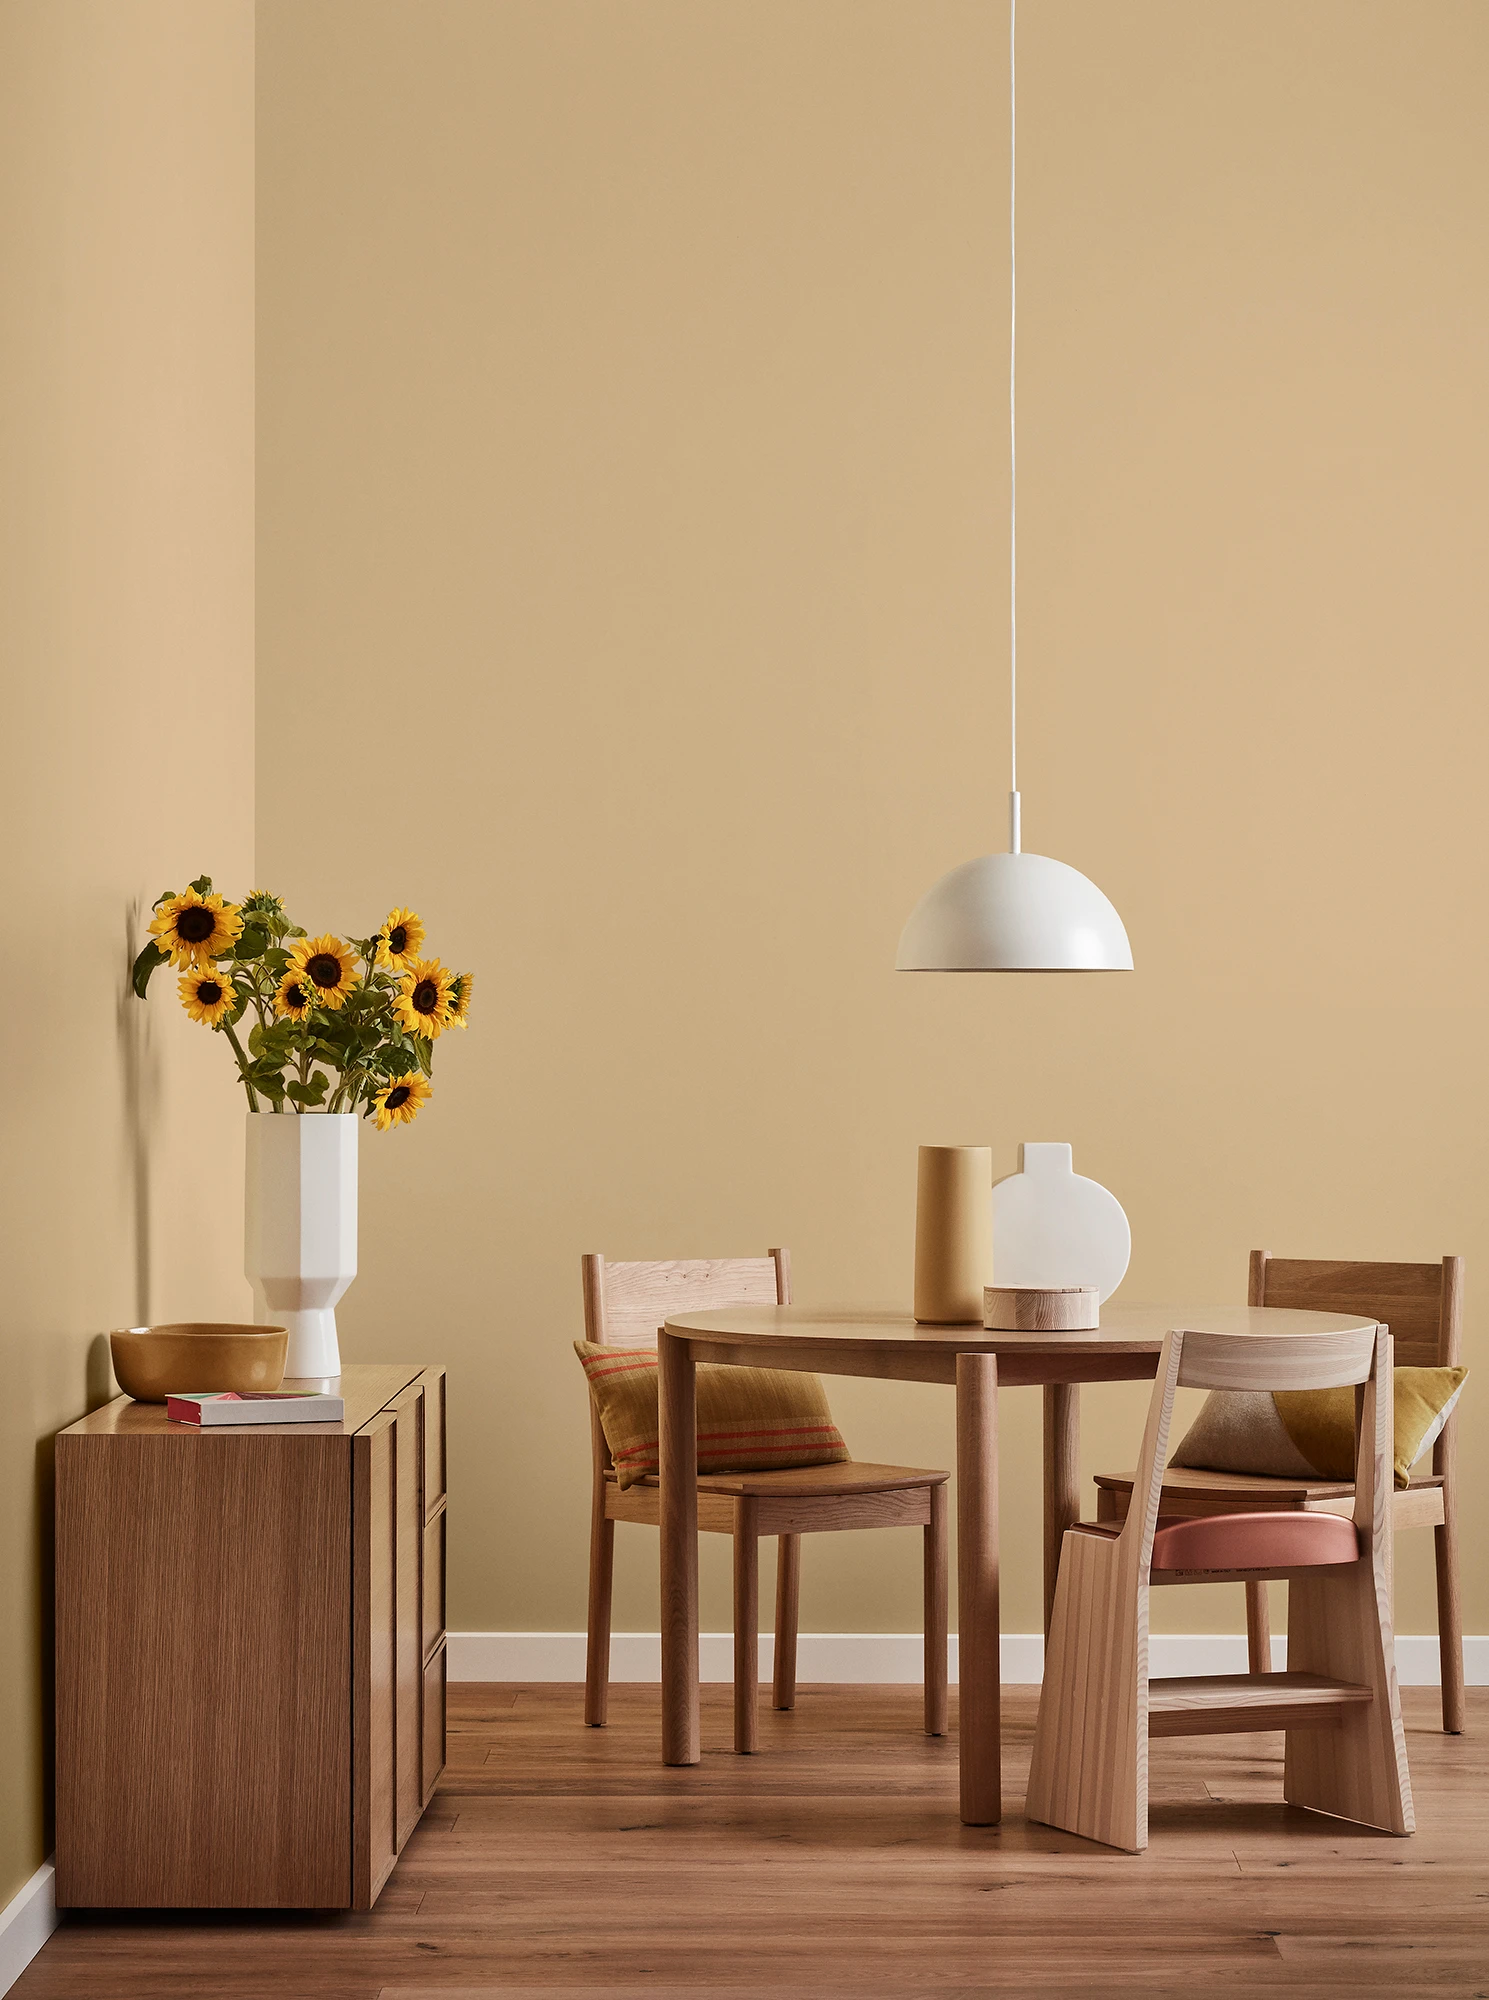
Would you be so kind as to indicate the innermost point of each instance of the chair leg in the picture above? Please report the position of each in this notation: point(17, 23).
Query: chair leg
point(1089, 1771)
point(746, 1625)
point(1449, 1613)
point(1258, 1629)
point(1339, 1626)
point(788, 1595)
point(937, 1613)
point(597, 1644)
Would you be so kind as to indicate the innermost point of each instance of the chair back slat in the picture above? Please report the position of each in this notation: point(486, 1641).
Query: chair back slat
point(1420, 1303)
point(1287, 1361)
point(625, 1304)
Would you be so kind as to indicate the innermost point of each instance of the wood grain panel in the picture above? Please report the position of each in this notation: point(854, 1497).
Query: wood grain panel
point(634, 1300)
point(433, 1627)
point(203, 1668)
point(374, 1639)
point(408, 1538)
point(432, 1760)
point(905, 1508)
point(1220, 1704)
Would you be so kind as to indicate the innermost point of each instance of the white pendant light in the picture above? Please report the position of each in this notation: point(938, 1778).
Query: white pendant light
point(1013, 912)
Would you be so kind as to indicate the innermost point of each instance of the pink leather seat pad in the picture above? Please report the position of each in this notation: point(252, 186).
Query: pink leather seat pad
point(1255, 1541)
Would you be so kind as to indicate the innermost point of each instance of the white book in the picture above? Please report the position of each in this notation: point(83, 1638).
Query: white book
point(255, 1406)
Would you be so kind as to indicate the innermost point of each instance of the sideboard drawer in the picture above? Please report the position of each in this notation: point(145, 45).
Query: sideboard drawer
point(434, 1721)
point(434, 1582)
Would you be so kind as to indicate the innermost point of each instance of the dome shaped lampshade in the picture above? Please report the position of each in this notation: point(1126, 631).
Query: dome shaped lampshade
point(1014, 913)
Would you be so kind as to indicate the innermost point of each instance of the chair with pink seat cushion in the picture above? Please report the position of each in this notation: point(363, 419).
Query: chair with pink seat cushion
point(1338, 1700)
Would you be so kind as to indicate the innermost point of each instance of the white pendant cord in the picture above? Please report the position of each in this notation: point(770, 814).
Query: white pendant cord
point(1014, 830)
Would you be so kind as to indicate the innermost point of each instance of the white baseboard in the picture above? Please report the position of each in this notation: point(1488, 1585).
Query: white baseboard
point(26, 1922)
point(885, 1657)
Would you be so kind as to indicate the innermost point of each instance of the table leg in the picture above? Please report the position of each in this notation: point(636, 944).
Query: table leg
point(1062, 1478)
point(978, 1676)
point(677, 1393)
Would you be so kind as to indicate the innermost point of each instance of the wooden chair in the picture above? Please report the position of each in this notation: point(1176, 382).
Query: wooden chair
point(1422, 1304)
point(1338, 1700)
point(624, 1306)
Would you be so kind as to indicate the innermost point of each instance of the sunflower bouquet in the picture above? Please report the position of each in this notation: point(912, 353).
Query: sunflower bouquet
point(336, 1023)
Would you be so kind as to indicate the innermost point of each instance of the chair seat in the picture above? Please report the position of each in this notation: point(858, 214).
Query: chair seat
point(1188, 1489)
point(1291, 1540)
point(854, 1477)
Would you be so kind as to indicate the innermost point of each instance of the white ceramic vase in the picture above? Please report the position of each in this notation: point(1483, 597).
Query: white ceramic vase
point(300, 1235)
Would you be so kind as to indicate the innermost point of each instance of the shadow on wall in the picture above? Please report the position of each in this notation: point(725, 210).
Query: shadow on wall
point(140, 1074)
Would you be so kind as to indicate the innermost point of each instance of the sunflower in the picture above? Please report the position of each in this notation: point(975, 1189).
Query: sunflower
point(326, 965)
point(397, 1103)
point(207, 995)
point(424, 999)
point(400, 940)
point(193, 930)
point(460, 999)
point(295, 997)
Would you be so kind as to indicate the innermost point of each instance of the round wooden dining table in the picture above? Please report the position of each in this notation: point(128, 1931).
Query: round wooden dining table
point(891, 1346)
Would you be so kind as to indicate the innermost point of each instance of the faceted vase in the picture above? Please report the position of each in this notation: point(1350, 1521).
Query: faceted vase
point(300, 1235)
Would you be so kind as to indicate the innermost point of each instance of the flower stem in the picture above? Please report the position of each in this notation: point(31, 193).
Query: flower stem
point(227, 1029)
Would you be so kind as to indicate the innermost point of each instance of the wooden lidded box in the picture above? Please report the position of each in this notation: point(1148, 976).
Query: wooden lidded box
point(250, 1650)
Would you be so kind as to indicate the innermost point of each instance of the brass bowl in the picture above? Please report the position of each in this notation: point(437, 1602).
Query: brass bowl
point(153, 1362)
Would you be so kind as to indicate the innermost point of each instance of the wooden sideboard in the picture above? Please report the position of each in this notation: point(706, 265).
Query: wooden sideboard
point(250, 1651)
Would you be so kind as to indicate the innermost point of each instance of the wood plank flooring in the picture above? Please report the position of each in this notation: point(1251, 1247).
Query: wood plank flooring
point(559, 1863)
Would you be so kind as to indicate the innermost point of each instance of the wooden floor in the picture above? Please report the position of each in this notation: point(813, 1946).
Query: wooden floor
point(558, 1862)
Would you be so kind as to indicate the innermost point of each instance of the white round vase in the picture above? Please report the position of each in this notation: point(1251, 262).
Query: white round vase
point(300, 1233)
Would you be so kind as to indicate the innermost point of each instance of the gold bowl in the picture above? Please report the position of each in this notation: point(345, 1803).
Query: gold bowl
point(153, 1362)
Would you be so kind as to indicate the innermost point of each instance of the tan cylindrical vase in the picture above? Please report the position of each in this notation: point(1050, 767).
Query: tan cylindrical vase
point(953, 1234)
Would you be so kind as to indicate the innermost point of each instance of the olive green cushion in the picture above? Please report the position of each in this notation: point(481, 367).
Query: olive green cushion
point(1310, 1433)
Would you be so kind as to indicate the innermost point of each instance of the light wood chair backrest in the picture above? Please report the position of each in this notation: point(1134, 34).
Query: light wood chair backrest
point(625, 1304)
point(1246, 1361)
point(1422, 1304)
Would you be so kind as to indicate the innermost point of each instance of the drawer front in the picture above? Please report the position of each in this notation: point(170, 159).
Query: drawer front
point(203, 1647)
point(434, 1582)
point(434, 1723)
point(375, 1657)
point(408, 1409)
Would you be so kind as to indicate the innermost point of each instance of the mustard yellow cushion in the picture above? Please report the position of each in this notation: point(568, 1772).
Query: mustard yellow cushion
point(1310, 1433)
point(749, 1419)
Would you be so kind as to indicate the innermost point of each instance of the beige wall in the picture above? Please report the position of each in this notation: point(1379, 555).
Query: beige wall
point(126, 636)
point(632, 603)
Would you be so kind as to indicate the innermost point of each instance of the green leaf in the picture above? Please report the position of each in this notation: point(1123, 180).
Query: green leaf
point(425, 1052)
point(398, 1062)
point(145, 964)
point(203, 885)
point(253, 943)
point(312, 1092)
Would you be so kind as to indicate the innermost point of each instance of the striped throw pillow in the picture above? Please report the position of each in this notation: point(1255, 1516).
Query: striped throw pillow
point(749, 1419)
